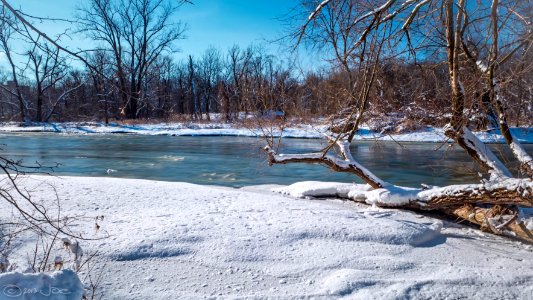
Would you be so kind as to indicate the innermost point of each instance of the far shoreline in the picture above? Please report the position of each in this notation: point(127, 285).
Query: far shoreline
point(428, 134)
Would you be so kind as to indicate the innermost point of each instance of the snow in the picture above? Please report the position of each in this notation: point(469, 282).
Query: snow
point(521, 154)
point(173, 129)
point(61, 285)
point(344, 147)
point(521, 186)
point(428, 134)
point(482, 66)
point(172, 240)
point(318, 189)
point(376, 10)
point(525, 215)
point(497, 168)
point(414, 12)
point(392, 195)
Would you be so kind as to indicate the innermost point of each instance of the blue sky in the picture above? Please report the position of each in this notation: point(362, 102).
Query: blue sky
point(225, 22)
point(218, 23)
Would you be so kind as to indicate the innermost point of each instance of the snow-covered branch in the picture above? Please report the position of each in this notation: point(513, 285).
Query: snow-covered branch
point(345, 164)
point(375, 12)
point(526, 162)
point(413, 14)
point(318, 9)
point(478, 151)
point(311, 17)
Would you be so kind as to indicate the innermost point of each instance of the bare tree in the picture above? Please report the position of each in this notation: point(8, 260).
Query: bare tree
point(9, 28)
point(192, 90)
point(48, 69)
point(488, 69)
point(396, 22)
point(211, 70)
point(136, 33)
point(42, 218)
point(238, 66)
point(410, 79)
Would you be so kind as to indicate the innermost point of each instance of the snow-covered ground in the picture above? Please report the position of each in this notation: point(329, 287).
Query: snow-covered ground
point(184, 241)
point(429, 134)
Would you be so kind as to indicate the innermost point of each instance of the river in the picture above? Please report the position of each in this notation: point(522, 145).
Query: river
point(234, 161)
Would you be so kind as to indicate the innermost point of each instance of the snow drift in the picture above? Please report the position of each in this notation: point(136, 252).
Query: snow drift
point(183, 241)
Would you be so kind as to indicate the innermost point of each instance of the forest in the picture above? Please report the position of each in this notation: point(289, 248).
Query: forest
point(133, 76)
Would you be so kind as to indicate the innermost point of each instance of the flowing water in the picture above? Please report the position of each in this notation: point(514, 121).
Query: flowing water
point(234, 161)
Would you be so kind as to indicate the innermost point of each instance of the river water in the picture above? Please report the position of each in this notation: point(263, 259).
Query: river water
point(234, 161)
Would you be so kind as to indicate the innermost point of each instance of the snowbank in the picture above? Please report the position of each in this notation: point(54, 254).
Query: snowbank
point(184, 241)
point(62, 285)
point(173, 129)
point(429, 134)
point(319, 189)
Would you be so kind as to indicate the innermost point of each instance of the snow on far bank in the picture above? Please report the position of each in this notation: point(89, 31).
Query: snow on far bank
point(173, 129)
point(430, 134)
point(172, 240)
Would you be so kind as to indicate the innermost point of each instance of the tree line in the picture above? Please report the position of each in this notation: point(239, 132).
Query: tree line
point(131, 74)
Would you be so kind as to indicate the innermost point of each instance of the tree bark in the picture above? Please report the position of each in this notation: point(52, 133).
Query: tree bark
point(511, 227)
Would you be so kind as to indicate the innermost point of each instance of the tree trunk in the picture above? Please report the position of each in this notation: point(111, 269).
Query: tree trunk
point(39, 113)
point(133, 100)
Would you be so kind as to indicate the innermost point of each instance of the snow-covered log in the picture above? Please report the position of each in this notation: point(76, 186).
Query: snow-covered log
point(511, 191)
point(460, 201)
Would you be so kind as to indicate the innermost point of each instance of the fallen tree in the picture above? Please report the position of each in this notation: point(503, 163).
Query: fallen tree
point(496, 203)
point(493, 205)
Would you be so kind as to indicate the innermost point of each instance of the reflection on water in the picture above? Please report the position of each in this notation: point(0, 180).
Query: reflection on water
point(172, 157)
point(220, 177)
point(235, 161)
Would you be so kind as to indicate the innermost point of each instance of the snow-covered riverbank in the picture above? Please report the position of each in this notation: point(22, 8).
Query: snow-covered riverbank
point(429, 134)
point(184, 241)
